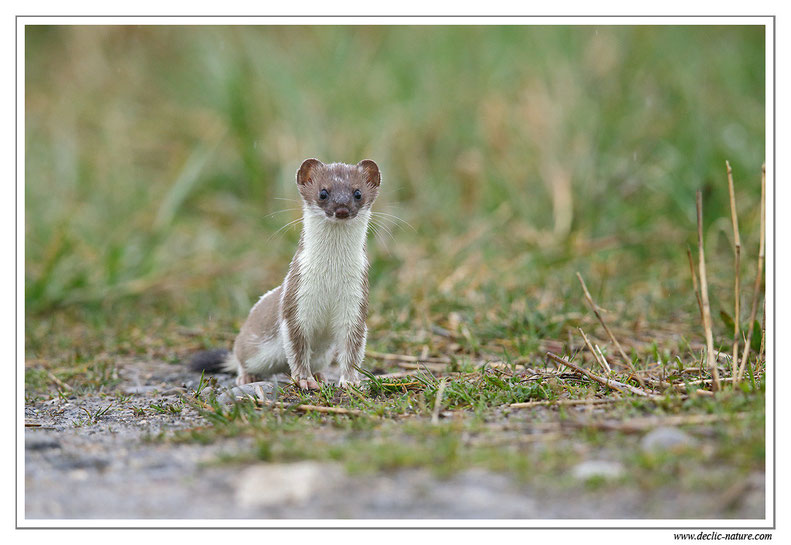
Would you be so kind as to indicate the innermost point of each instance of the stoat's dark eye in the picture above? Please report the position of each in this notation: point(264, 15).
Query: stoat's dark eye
point(323, 194)
point(357, 194)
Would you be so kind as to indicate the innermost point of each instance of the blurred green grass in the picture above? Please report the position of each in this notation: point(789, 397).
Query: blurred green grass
point(158, 160)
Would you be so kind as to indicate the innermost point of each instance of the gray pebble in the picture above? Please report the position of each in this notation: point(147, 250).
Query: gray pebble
point(597, 468)
point(41, 443)
point(75, 462)
point(207, 392)
point(139, 390)
point(229, 396)
point(665, 438)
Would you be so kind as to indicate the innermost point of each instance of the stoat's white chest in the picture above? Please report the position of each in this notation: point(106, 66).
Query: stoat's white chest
point(332, 268)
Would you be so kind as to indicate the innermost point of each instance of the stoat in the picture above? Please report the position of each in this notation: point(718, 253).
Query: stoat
point(318, 313)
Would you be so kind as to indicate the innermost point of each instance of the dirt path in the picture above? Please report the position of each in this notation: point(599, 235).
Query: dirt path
point(80, 465)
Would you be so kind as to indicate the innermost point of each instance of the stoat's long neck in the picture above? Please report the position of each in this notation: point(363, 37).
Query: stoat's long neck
point(332, 247)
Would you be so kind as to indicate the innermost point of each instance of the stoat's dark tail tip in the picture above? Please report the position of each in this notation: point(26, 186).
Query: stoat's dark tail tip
point(209, 361)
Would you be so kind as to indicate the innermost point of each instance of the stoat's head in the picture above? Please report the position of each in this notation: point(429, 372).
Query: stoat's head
point(338, 190)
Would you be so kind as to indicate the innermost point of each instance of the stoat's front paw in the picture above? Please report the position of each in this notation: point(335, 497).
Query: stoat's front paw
point(349, 380)
point(307, 383)
point(244, 378)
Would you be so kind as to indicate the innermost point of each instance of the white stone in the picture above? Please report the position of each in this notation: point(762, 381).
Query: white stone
point(597, 468)
point(267, 485)
point(666, 439)
point(244, 390)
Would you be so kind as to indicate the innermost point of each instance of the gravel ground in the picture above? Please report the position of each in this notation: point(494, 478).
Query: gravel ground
point(108, 470)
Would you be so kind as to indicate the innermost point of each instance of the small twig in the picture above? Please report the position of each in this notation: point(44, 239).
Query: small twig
point(707, 380)
point(690, 370)
point(737, 251)
point(596, 355)
point(58, 382)
point(758, 275)
point(570, 402)
point(438, 402)
point(664, 385)
point(695, 282)
point(610, 383)
point(704, 293)
point(595, 309)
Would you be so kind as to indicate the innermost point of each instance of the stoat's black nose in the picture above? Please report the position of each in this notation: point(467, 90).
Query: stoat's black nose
point(342, 212)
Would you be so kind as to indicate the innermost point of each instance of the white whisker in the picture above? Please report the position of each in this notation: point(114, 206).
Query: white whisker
point(374, 228)
point(282, 211)
point(286, 226)
point(385, 215)
point(383, 227)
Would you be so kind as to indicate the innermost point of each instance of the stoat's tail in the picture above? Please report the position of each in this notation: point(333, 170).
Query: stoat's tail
point(210, 361)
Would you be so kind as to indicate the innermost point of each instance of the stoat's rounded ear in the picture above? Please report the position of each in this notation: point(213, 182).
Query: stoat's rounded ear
point(371, 172)
point(306, 171)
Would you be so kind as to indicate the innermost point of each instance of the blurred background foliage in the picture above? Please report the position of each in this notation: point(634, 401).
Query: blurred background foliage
point(160, 164)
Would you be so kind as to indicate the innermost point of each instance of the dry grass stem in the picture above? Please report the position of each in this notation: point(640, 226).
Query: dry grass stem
point(610, 383)
point(707, 380)
point(695, 282)
point(762, 351)
point(758, 278)
point(603, 359)
point(572, 402)
point(595, 309)
point(737, 250)
point(599, 359)
point(704, 295)
point(62, 385)
point(438, 402)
